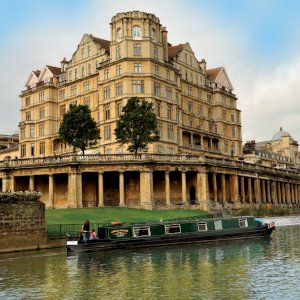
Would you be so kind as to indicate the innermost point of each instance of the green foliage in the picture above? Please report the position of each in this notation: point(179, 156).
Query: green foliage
point(137, 126)
point(109, 214)
point(19, 196)
point(78, 128)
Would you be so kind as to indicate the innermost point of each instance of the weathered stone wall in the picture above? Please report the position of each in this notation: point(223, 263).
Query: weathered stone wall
point(22, 225)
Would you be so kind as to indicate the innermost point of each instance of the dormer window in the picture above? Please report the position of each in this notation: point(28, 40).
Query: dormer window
point(136, 32)
point(119, 35)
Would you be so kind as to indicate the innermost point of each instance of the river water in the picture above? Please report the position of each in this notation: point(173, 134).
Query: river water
point(249, 269)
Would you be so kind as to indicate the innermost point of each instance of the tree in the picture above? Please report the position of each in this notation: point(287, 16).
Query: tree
point(137, 125)
point(78, 128)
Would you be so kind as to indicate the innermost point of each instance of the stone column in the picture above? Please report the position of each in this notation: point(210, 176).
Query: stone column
point(234, 188)
point(287, 193)
point(51, 203)
point(283, 192)
point(8, 183)
point(250, 189)
point(293, 192)
point(269, 199)
point(273, 188)
point(100, 190)
point(146, 189)
point(263, 190)
point(31, 183)
point(257, 190)
point(279, 192)
point(167, 188)
point(203, 190)
point(296, 194)
point(215, 190)
point(183, 187)
point(74, 190)
point(243, 195)
point(121, 189)
point(223, 185)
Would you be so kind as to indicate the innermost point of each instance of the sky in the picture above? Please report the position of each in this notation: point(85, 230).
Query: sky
point(257, 41)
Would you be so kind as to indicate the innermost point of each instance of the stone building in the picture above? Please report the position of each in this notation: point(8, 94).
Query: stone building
point(195, 106)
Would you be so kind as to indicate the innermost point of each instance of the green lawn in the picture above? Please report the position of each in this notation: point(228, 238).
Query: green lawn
point(109, 214)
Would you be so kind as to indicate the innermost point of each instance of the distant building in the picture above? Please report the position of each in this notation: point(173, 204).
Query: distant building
point(9, 145)
point(281, 151)
point(195, 106)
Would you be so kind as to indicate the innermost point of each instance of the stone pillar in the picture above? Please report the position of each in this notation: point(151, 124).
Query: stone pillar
point(51, 203)
point(279, 192)
point(146, 189)
point(296, 194)
point(273, 191)
point(257, 190)
point(72, 190)
point(269, 199)
point(287, 193)
point(234, 189)
point(31, 183)
point(283, 192)
point(8, 183)
point(183, 187)
point(223, 185)
point(167, 188)
point(215, 190)
point(121, 189)
point(100, 190)
point(250, 189)
point(263, 191)
point(203, 190)
point(243, 195)
point(293, 192)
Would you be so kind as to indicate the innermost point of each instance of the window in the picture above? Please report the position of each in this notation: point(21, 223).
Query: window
point(202, 226)
point(153, 34)
point(118, 52)
point(169, 93)
point(190, 106)
point(218, 225)
point(155, 53)
point(169, 111)
point(216, 128)
point(119, 34)
point(156, 88)
point(171, 151)
point(41, 96)
point(223, 100)
point(158, 110)
point(82, 53)
point(209, 113)
point(120, 150)
point(107, 92)
point(119, 107)
point(82, 72)
point(89, 69)
point(137, 50)
point(75, 74)
point(136, 32)
point(73, 90)
point(200, 110)
point(27, 101)
point(41, 129)
point(190, 91)
point(233, 132)
point(62, 110)
point(31, 131)
point(107, 112)
point(243, 223)
point(137, 86)
point(208, 98)
point(199, 94)
point(23, 150)
point(172, 229)
point(137, 68)
point(119, 89)
point(232, 117)
point(87, 101)
point(89, 51)
point(62, 94)
point(159, 149)
point(86, 86)
point(42, 148)
point(22, 133)
point(168, 75)
point(118, 70)
point(170, 132)
point(28, 115)
point(106, 74)
point(70, 75)
point(42, 112)
point(32, 149)
point(191, 121)
point(156, 70)
point(159, 128)
point(141, 231)
point(224, 114)
point(107, 132)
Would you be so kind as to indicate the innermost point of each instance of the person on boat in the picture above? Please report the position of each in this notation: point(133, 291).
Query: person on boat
point(85, 230)
point(93, 235)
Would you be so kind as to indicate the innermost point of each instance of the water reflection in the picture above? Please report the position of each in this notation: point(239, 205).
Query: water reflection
point(251, 269)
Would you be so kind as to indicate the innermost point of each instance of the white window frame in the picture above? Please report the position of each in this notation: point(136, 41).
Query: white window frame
point(201, 224)
point(135, 231)
point(171, 226)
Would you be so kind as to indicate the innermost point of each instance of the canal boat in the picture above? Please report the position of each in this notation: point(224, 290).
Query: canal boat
point(172, 232)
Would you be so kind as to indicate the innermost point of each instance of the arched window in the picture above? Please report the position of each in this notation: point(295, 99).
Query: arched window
point(136, 32)
point(119, 34)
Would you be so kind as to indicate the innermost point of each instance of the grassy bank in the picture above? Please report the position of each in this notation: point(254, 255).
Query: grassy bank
point(109, 214)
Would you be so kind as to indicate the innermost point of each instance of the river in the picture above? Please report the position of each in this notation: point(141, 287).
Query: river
point(249, 269)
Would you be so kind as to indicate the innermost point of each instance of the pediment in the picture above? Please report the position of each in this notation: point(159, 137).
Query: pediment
point(32, 78)
point(223, 80)
point(45, 74)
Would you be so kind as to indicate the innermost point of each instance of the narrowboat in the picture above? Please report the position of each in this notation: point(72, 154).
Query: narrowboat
point(172, 232)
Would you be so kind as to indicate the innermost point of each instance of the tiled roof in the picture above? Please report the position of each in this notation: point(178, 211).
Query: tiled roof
point(174, 50)
point(212, 74)
point(54, 70)
point(104, 43)
point(36, 73)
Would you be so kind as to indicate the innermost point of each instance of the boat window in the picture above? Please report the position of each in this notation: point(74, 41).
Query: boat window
point(218, 225)
point(243, 222)
point(202, 226)
point(141, 231)
point(171, 229)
